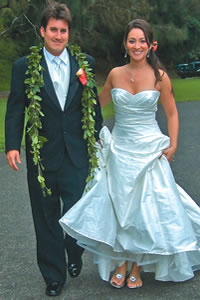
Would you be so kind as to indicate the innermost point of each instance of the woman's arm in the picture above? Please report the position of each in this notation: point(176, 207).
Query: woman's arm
point(105, 96)
point(169, 105)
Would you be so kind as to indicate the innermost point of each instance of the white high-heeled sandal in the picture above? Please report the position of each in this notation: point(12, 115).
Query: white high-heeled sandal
point(118, 276)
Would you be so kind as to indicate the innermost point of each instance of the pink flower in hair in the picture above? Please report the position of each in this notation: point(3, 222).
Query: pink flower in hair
point(155, 45)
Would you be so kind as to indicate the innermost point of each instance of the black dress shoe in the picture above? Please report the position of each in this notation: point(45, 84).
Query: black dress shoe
point(54, 289)
point(74, 268)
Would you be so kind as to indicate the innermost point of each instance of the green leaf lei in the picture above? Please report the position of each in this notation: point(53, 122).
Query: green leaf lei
point(34, 82)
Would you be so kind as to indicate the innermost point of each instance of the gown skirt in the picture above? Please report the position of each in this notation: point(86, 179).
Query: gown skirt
point(133, 209)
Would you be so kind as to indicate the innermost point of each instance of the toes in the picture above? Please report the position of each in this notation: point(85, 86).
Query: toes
point(118, 279)
point(134, 282)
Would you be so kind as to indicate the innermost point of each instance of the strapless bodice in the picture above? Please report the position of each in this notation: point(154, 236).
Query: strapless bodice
point(133, 109)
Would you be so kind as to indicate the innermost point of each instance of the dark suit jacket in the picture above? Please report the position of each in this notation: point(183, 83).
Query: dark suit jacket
point(61, 128)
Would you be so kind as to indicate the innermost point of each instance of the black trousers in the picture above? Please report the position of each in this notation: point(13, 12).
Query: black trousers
point(67, 185)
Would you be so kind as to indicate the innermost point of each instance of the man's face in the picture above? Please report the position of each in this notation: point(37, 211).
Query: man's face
point(55, 36)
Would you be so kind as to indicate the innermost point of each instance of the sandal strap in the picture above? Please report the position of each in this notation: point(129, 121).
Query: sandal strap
point(132, 278)
point(119, 276)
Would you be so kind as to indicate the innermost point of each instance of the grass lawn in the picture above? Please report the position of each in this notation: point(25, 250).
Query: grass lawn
point(184, 90)
point(5, 74)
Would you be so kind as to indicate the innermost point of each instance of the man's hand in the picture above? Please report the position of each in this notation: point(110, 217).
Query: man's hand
point(13, 158)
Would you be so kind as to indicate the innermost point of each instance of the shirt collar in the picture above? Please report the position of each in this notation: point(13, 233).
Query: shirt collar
point(64, 56)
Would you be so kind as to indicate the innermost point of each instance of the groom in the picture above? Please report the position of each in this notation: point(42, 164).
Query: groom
point(64, 155)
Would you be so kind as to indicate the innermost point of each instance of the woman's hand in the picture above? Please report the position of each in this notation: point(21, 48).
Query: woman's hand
point(100, 143)
point(169, 153)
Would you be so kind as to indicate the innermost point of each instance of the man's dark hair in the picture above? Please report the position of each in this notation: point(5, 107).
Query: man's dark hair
point(56, 10)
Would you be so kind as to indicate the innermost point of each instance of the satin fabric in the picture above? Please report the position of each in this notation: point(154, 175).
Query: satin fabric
point(134, 209)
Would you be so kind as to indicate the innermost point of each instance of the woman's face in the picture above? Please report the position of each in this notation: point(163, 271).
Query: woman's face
point(136, 45)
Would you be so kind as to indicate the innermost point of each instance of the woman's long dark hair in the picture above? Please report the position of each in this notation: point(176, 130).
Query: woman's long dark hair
point(152, 59)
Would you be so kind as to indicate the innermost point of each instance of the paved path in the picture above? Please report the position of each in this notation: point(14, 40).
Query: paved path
point(19, 275)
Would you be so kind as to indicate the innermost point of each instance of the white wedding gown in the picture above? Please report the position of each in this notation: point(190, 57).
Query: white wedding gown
point(134, 210)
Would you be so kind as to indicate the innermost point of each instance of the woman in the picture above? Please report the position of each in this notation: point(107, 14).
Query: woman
point(135, 216)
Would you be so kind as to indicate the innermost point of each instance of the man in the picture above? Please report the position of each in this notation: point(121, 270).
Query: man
point(65, 154)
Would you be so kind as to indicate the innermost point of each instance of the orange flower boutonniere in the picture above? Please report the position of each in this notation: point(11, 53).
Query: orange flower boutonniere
point(82, 76)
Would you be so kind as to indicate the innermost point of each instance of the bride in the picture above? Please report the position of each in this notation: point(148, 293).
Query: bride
point(135, 217)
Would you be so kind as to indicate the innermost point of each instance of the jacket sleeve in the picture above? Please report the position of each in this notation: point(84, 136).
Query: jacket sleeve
point(15, 112)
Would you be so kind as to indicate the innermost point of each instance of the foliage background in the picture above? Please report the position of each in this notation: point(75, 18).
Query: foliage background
point(98, 27)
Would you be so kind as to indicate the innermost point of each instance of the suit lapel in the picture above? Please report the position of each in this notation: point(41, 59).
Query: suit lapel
point(48, 84)
point(74, 82)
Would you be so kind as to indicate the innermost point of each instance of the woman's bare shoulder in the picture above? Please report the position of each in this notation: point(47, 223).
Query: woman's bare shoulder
point(165, 83)
point(117, 71)
point(163, 74)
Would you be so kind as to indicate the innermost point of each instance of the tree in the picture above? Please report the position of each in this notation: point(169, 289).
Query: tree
point(176, 26)
point(98, 27)
point(5, 4)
